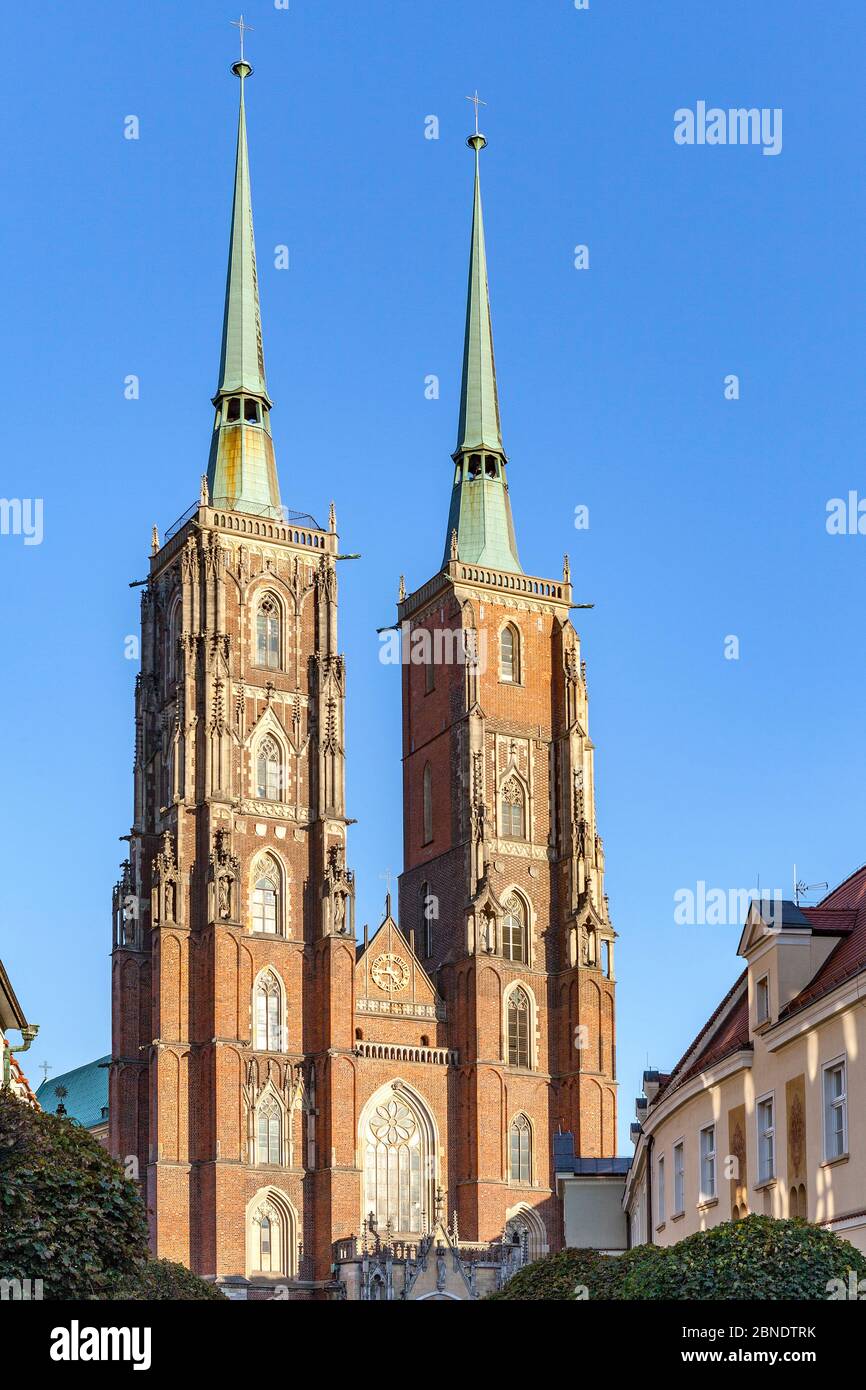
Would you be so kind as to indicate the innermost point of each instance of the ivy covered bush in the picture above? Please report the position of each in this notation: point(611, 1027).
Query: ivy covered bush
point(163, 1279)
point(70, 1217)
point(757, 1258)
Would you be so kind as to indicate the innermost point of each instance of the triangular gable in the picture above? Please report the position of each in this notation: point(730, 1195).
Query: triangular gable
point(390, 979)
point(270, 722)
point(439, 1273)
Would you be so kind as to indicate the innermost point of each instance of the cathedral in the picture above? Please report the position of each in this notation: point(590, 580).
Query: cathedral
point(310, 1114)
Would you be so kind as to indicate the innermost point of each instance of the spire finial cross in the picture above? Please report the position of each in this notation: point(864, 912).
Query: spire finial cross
point(243, 28)
point(476, 102)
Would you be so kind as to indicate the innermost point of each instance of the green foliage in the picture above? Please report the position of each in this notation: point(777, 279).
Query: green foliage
point(163, 1279)
point(70, 1217)
point(557, 1277)
point(758, 1258)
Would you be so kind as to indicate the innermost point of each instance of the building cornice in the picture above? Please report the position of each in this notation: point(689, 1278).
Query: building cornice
point(844, 996)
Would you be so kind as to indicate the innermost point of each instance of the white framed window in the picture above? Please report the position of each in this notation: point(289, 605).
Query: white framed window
point(267, 1014)
point(509, 655)
point(835, 1108)
point(518, 1016)
point(269, 1138)
point(762, 999)
point(660, 1187)
point(268, 633)
point(766, 1117)
point(708, 1163)
point(512, 810)
point(269, 771)
point(679, 1178)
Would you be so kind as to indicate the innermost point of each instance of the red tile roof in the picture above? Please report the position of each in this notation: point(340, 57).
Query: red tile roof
point(847, 906)
point(842, 913)
point(725, 1031)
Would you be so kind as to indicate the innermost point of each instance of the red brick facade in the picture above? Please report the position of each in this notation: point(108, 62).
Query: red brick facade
point(417, 1019)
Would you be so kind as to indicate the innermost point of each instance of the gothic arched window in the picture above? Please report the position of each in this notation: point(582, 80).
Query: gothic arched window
point(268, 633)
point(518, 1028)
point(428, 804)
point(267, 907)
point(512, 809)
point(269, 1120)
point(521, 1150)
point(514, 931)
point(425, 910)
point(509, 654)
point(267, 1014)
point(271, 1234)
point(399, 1163)
point(269, 771)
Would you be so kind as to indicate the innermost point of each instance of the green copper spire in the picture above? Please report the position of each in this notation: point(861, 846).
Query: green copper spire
point(480, 509)
point(242, 471)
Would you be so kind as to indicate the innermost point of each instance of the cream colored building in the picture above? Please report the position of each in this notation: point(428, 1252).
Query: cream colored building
point(766, 1111)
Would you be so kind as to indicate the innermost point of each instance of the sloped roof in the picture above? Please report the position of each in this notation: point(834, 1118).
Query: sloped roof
point(86, 1093)
point(843, 911)
point(725, 1031)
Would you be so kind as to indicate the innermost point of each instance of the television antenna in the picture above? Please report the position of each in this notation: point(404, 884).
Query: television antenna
point(801, 888)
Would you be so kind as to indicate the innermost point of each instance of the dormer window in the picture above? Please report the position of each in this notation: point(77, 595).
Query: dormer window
point(762, 999)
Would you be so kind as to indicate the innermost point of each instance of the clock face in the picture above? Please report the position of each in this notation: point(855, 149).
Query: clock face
point(390, 972)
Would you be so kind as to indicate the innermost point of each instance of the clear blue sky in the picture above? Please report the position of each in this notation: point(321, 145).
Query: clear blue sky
point(707, 516)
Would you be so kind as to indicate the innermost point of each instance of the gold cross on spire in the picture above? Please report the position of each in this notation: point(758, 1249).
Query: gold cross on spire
point(476, 101)
point(244, 28)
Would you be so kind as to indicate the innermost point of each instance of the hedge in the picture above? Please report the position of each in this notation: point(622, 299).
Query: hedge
point(71, 1218)
point(757, 1258)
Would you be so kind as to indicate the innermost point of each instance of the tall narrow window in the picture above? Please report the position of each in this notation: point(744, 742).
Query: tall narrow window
point(399, 1163)
point(766, 1139)
point(268, 633)
point(267, 1014)
point(269, 1247)
point(660, 1185)
point(518, 1028)
point(269, 771)
point(425, 903)
point(835, 1110)
point(509, 655)
point(512, 810)
point(272, 1240)
point(428, 804)
point(679, 1179)
point(514, 931)
point(708, 1163)
point(270, 1132)
point(521, 1150)
point(267, 916)
point(762, 1000)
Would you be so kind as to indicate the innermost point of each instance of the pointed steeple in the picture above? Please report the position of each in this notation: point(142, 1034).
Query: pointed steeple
point(480, 511)
point(242, 472)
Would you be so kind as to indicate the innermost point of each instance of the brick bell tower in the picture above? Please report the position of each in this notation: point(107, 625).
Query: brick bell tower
point(234, 919)
point(503, 879)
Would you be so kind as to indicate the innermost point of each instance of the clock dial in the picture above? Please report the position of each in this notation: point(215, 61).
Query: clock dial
point(390, 972)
